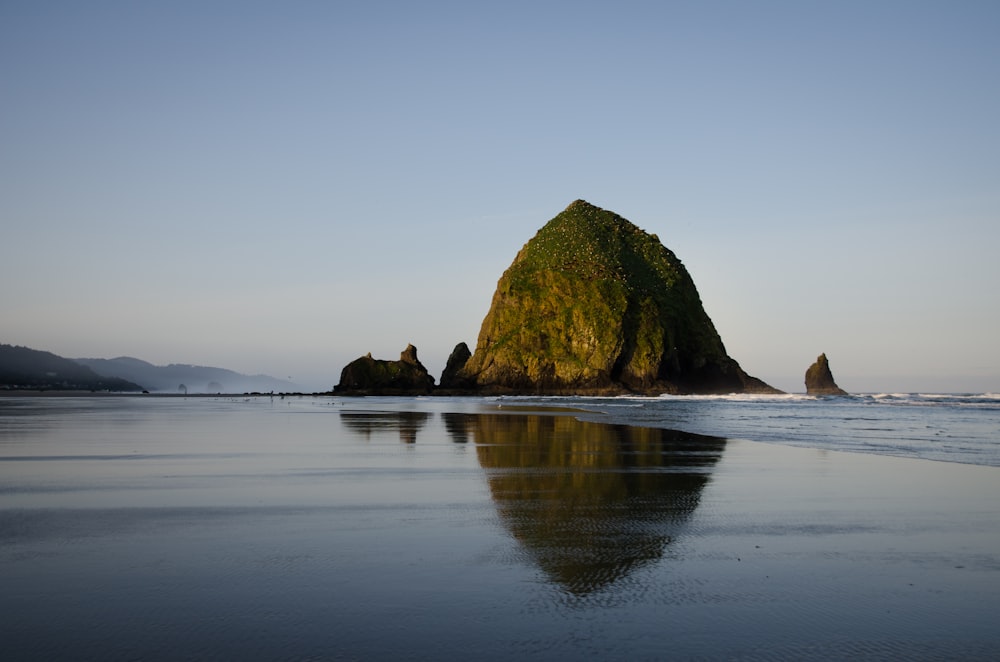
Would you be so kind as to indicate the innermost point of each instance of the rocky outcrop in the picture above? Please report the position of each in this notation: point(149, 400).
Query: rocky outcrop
point(369, 376)
point(594, 305)
point(451, 378)
point(819, 379)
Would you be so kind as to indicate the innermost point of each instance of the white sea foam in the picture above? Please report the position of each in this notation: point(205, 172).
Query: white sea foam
point(951, 427)
point(743, 397)
point(987, 400)
point(883, 396)
point(948, 427)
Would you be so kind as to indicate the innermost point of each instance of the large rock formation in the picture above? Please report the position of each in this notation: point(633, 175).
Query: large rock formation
point(819, 379)
point(593, 304)
point(368, 376)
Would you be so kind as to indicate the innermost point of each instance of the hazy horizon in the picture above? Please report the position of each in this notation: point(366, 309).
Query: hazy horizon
point(282, 189)
point(789, 384)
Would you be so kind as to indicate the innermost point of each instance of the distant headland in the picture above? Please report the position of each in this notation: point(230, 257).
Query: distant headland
point(25, 369)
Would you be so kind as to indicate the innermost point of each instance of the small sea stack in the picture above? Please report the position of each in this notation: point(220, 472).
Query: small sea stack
point(370, 376)
point(819, 379)
point(451, 377)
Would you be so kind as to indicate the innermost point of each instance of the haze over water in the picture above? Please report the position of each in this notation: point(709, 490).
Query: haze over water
point(167, 528)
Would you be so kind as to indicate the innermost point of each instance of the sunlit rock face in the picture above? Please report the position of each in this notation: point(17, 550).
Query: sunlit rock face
point(593, 304)
point(819, 379)
point(370, 376)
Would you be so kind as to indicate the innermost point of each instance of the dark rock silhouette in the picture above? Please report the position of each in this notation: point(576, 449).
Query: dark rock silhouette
point(819, 379)
point(594, 305)
point(451, 377)
point(369, 376)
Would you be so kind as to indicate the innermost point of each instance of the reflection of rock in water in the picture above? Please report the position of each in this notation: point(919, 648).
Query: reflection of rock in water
point(366, 422)
point(457, 426)
point(591, 502)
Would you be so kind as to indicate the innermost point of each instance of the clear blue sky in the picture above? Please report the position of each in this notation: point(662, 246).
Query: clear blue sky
point(283, 187)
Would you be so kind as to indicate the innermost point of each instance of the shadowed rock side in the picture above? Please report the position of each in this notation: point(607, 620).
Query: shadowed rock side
point(452, 378)
point(594, 305)
point(819, 379)
point(368, 376)
point(590, 503)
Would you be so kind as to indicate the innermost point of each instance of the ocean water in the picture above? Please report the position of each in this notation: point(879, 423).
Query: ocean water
point(163, 528)
point(945, 427)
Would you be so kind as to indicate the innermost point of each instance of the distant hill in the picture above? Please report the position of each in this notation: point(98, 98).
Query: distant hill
point(24, 368)
point(180, 377)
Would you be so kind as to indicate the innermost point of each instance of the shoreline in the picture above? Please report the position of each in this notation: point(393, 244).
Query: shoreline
point(59, 393)
point(519, 531)
point(835, 423)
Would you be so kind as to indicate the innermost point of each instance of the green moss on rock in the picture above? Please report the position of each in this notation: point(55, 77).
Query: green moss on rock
point(819, 379)
point(370, 376)
point(593, 304)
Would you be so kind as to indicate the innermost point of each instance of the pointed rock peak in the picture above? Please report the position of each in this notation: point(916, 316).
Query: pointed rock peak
point(580, 204)
point(819, 379)
point(587, 239)
point(451, 377)
point(587, 210)
point(409, 355)
point(594, 222)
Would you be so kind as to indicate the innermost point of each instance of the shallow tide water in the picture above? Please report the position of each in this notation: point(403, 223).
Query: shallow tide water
point(321, 528)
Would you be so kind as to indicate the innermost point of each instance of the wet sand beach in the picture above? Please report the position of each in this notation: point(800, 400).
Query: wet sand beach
point(317, 528)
